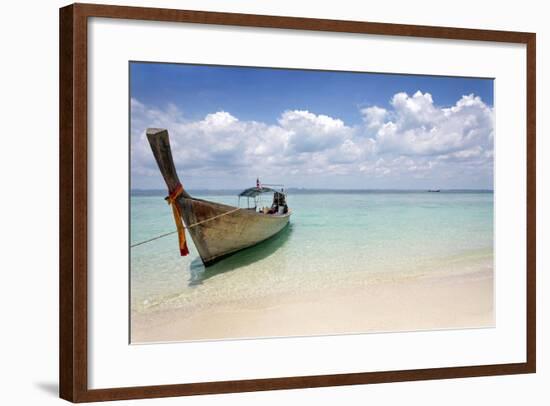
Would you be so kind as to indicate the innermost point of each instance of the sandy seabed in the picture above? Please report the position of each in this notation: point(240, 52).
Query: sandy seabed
point(441, 301)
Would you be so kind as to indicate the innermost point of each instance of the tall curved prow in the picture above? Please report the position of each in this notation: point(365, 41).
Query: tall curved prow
point(217, 229)
point(160, 145)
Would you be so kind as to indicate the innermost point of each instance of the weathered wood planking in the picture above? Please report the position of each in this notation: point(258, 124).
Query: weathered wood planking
point(217, 230)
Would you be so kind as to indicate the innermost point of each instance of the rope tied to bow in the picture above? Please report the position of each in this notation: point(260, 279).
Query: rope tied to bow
point(172, 201)
point(180, 227)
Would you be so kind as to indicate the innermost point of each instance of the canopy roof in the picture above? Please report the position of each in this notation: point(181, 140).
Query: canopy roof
point(254, 191)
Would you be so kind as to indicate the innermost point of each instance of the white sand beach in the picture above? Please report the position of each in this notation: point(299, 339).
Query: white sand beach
point(436, 301)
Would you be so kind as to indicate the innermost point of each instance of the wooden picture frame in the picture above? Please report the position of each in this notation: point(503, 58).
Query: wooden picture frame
point(73, 279)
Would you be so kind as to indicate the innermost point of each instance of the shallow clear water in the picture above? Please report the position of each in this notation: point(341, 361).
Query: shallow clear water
point(333, 239)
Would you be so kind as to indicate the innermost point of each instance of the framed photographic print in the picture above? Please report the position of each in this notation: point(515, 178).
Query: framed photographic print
point(256, 202)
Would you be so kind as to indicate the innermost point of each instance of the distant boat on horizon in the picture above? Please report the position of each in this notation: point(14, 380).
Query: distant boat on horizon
point(434, 190)
point(218, 230)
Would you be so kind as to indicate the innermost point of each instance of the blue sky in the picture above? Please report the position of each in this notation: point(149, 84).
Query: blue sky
point(328, 129)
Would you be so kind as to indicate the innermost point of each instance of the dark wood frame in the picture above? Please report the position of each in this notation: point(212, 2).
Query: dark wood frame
point(73, 361)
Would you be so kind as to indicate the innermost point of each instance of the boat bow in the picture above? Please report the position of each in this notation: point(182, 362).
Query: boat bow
point(217, 230)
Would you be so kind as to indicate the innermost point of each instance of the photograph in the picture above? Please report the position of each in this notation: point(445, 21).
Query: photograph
point(280, 202)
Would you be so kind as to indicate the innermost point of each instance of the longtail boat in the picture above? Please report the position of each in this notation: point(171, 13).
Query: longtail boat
point(218, 230)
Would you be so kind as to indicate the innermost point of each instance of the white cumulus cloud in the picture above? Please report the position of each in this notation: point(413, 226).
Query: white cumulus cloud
point(309, 132)
point(410, 141)
point(418, 127)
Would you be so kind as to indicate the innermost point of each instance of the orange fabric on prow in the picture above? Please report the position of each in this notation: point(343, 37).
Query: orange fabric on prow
point(177, 218)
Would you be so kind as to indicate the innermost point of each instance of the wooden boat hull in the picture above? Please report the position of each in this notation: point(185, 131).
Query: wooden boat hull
point(217, 229)
point(217, 234)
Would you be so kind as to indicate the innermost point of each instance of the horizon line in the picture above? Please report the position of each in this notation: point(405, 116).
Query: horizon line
point(331, 189)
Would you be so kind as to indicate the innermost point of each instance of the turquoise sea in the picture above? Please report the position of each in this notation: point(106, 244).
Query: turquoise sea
point(335, 238)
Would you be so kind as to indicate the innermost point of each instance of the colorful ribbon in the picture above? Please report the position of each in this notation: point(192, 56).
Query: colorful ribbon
point(172, 197)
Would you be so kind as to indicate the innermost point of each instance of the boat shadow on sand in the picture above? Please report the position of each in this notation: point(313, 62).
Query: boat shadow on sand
point(199, 273)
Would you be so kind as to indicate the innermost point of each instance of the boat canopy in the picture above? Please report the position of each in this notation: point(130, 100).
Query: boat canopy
point(255, 191)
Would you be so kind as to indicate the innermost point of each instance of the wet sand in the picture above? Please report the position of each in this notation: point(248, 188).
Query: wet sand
point(440, 301)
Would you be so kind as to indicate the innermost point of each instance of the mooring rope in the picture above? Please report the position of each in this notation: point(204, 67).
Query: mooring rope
point(191, 226)
point(153, 239)
point(213, 218)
